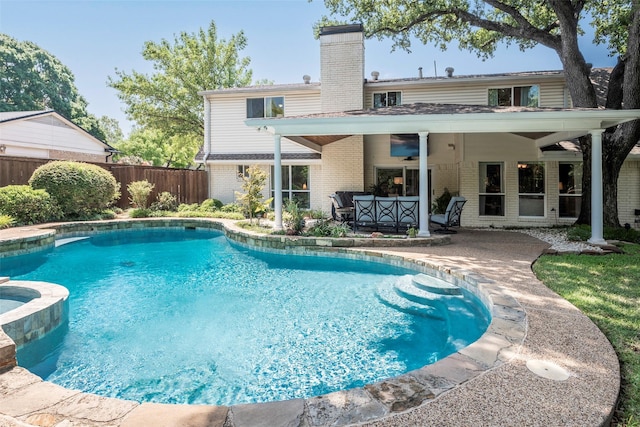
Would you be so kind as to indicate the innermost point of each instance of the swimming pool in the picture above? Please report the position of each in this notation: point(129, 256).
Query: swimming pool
point(181, 316)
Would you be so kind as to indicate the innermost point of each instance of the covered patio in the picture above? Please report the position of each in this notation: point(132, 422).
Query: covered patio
point(543, 126)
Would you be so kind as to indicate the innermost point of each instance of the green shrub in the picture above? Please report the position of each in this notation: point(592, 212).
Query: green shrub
point(139, 192)
point(28, 206)
point(79, 189)
point(165, 202)
point(232, 208)
point(6, 221)
point(186, 207)
point(583, 233)
point(210, 205)
point(293, 218)
point(140, 213)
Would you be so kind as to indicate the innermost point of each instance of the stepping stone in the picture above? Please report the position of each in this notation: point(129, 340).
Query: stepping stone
point(435, 285)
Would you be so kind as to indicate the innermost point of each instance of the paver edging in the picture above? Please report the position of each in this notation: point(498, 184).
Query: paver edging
point(504, 336)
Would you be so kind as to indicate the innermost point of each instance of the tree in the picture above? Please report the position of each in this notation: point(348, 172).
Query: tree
point(158, 149)
point(253, 185)
point(33, 79)
point(168, 100)
point(111, 129)
point(481, 25)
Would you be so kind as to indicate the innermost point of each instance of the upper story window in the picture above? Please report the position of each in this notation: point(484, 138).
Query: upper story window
point(258, 108)
point(386, 99)
point(524, 96)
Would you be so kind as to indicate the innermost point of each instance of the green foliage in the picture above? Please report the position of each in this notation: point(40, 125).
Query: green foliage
point(32, 79)
point(165, 202)
point(293, 217)
point(439, 205)
point(583, 233)
point(139, 192)
point(210, 205)
point(612, 303)
point(140, 213)
point(253, 185)
point(111, 129)
point(315, 214)
point(27, 206)
point(79, 189)
point(158, 149)
point(232, 208)
point(168, 100)
point(214, 214)
point(6, 221)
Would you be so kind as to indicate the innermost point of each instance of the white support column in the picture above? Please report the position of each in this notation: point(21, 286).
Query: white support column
point(596, 188)
point(277, 180)
point(423, 209)
point(206, 146)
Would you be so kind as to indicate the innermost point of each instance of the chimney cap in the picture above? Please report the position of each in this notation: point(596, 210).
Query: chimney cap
point(341, 29)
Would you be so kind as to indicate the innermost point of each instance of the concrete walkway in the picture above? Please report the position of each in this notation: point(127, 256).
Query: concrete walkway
point(564, 373)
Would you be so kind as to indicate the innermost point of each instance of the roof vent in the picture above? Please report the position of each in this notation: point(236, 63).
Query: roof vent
point(449, 71)
point(307, 79)
point(419, 72)
point(374, 75)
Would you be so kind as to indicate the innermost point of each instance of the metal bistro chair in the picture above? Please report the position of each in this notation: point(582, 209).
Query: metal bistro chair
point(451, 217)
point(364, 208)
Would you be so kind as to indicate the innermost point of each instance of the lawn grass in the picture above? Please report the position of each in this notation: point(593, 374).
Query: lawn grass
point(607, 289)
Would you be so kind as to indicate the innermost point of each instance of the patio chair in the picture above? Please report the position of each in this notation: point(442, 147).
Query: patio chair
point(339, 211)
point(387, 212)
point(408, 211)
point(451, 217)
point(364, 210)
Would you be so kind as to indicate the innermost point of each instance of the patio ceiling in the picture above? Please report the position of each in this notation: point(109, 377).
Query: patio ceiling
point(545, 126)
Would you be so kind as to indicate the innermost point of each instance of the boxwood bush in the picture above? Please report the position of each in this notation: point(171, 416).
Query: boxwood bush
point(80, 189)
point(28, 206)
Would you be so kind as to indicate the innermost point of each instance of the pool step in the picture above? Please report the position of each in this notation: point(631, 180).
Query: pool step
point(409, 290)
point(3, 279)
point(435, 285)
point(60, 242)
point(388, 295)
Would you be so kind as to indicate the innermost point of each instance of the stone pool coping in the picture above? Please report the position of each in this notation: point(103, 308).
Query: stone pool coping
point(494, 358)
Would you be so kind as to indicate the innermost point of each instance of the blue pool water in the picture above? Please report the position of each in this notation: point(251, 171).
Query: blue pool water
point(183, 316)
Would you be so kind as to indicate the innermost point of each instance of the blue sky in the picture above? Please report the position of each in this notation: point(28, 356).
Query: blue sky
point(94, 37)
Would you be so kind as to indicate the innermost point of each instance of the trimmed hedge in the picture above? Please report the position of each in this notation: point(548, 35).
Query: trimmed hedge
point(80, 189)
point(28, 206)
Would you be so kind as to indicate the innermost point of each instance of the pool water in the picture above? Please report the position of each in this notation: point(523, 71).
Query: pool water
point(8, 303)
point(184, 316)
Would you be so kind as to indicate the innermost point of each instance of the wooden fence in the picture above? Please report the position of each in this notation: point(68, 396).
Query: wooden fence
point(188, 186)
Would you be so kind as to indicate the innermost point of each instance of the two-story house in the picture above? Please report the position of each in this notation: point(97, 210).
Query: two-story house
point(503, 141)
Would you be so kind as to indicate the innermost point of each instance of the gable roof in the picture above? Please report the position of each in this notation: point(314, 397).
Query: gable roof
point(8, 117)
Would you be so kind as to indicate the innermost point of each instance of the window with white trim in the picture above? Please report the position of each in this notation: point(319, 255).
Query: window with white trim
point(491, 191)
point(531, 189)
point(525, 96)
point(386, 99)
point(258, 108)
point(569, 189)
point(295, 185)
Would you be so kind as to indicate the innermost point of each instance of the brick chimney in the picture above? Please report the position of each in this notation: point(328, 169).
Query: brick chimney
point(342, 68)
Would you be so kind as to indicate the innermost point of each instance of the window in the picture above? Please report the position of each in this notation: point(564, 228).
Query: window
point(491, 189)
point(242, 171)
point(386, 99)
point(525, 96)
point(570, 189)
point(258, 108)
point(295, 185)
point(531, 189)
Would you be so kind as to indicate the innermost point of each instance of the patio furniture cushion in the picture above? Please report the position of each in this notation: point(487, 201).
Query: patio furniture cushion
point(451, 217)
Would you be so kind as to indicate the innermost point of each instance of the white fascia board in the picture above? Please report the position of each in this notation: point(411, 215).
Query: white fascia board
point(558, 121)
point(372, 85)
